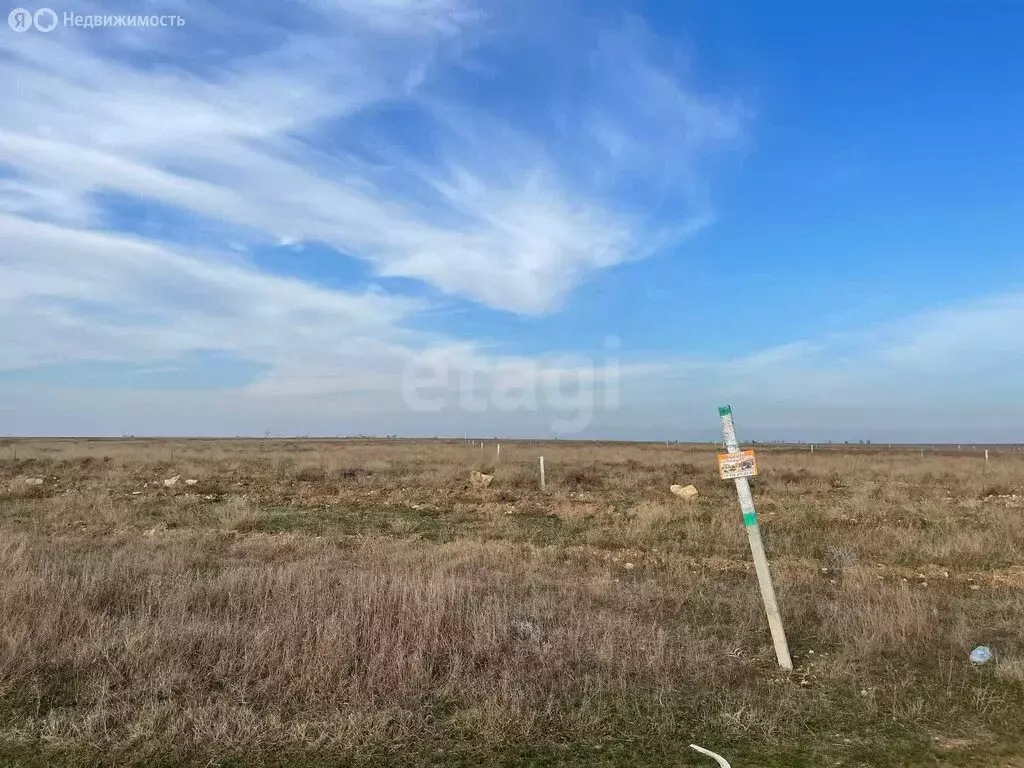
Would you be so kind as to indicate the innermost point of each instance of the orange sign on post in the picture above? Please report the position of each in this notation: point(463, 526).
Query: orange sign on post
point(734, 465)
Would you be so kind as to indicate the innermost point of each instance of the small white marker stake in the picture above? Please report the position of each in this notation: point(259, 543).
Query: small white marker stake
point(543, 484)
point(497, 455)
point(812, 447)
point(986, 455)
point(764, 575)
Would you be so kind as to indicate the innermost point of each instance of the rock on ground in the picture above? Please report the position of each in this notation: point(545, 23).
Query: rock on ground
point(480, 480)
point(686, 492)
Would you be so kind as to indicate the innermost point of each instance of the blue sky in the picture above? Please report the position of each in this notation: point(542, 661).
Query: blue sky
point(596, 219)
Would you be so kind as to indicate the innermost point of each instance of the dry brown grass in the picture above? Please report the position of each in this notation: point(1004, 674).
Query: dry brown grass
point(358, 600)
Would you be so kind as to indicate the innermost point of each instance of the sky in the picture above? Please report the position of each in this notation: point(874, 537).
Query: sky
point(461, 217)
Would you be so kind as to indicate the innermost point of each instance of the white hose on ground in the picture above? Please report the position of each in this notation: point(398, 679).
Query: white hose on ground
point(718, 758)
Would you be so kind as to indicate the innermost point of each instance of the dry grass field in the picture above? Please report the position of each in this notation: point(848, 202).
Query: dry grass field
point(358, 602)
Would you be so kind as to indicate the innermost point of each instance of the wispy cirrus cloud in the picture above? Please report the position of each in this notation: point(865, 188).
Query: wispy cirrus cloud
point(498, 154)
point(70, 294)
point(356, 133)
point(360, 125)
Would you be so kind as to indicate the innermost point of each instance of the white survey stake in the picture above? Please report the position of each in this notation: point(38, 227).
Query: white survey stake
point(739, 465)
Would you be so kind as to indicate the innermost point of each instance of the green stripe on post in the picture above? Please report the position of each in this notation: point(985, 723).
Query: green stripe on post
point(725, 410)
point(750, 518)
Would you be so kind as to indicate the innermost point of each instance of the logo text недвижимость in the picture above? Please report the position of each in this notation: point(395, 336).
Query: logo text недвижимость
point(47, 20)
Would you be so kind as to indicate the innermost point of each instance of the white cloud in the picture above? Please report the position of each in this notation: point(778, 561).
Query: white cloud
point(71, 295)
point(355, 360)
point(280, 145)
point(294, 139)
point(272, 143)
point(953, 373)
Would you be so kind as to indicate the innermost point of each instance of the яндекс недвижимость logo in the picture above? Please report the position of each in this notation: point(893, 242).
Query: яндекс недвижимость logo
point(47, 20)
